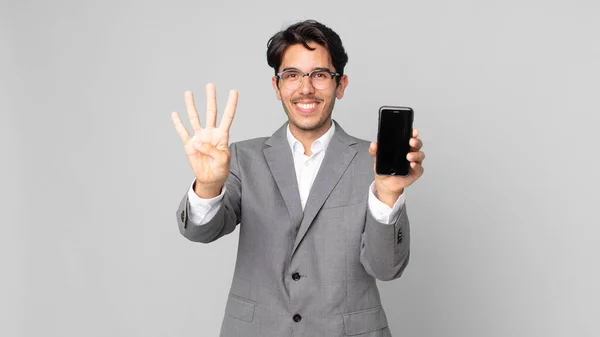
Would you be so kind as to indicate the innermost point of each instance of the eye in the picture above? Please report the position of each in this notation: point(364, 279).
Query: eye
point(291, 75)
point(321, 75)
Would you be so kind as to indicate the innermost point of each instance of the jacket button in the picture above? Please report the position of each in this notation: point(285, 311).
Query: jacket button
point(182, 216)
point(297, 318)
point(295, 276)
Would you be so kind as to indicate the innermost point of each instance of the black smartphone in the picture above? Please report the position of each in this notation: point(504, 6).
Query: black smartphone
point(393, 136)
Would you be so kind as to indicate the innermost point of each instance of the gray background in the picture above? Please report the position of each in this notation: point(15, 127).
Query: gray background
point(504, 221)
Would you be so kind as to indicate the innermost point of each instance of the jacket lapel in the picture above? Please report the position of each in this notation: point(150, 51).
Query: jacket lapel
point(281, 163)
point(338, 156)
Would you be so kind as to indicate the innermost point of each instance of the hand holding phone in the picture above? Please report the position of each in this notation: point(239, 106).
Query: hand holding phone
point(393, 136)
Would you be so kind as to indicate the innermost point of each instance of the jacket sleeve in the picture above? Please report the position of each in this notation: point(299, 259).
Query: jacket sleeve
point(228, 216)
point(385, 249)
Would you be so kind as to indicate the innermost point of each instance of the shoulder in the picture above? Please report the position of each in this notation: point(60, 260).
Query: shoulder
point(254, 144)
point(362, 152)
point(360, 145)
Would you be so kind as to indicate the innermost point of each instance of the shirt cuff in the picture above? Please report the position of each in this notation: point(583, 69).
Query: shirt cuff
point(203, 210)
point(382, 212)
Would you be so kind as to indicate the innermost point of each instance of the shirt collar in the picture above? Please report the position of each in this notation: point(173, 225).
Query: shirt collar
point(320, 144)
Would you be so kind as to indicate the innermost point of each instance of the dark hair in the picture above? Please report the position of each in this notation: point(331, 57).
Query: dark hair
point(304, 32)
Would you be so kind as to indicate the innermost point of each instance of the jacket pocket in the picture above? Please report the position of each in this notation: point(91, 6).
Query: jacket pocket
point(366, 321)
point(240, 308)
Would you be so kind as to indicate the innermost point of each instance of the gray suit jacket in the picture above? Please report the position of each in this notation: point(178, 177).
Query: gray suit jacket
point(311, 273)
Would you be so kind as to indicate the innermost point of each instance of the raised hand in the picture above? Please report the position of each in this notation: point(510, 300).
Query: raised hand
point(389, 188)
point(208, 150)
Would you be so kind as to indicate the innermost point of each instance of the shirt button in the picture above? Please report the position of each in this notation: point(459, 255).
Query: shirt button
point(295, 276)
point(297, 318)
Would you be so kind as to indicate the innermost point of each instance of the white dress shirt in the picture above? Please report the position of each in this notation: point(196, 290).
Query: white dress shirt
point(203, 210)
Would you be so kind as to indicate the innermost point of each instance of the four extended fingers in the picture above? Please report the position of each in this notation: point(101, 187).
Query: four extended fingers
point(211, 113)
point(229, 113)
point(181, 130)
point(191, 110)
point(211, 106)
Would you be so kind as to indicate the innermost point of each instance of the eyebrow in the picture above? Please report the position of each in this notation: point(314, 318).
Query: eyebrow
point(317, 68)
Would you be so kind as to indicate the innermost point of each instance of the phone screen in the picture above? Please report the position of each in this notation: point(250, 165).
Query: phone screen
point(395, 130)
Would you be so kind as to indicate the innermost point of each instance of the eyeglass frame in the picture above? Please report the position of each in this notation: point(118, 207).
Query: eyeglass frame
point(309, 74)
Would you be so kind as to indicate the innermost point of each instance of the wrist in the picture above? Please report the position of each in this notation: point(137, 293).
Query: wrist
point(387, 197)
point(207, 191)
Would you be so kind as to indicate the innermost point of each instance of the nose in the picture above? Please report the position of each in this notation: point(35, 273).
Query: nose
point(306, 86)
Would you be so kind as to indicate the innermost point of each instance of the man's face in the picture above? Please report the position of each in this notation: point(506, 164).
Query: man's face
point(307, 108)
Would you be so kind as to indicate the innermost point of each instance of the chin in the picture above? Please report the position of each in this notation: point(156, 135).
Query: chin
point(313, 120)
point(308, 125)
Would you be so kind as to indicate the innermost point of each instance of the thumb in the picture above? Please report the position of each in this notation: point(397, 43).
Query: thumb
point(373, 152)
point(373, 149)
point(211, 151)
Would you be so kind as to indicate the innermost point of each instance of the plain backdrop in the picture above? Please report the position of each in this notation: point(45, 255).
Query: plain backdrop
point(505, 230)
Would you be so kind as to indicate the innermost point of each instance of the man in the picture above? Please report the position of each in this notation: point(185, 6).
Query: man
point(317, 225)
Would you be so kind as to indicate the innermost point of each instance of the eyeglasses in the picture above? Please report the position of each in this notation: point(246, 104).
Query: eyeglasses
point(320, 78)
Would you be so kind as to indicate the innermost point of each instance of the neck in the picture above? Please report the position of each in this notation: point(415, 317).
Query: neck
point(307, 137)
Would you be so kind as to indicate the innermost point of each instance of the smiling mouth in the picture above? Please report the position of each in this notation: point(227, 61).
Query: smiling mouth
point(306, 107)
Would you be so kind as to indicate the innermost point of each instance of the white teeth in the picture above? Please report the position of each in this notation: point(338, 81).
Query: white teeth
point(306, 106)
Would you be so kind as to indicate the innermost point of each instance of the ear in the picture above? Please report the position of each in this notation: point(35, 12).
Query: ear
point(339, 91)
point(274, 83)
